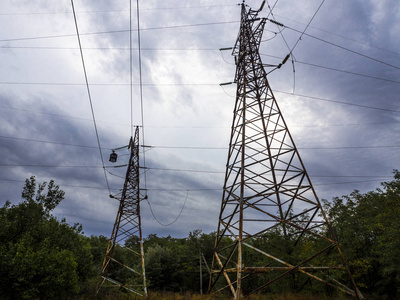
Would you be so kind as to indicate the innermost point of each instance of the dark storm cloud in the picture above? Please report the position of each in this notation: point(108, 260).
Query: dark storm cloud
point(193, 115)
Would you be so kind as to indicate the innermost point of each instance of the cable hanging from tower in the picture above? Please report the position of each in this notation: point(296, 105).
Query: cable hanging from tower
point(130, 63)
point(299, 39)
point(89, 95)
point(141, 86)
point(177, 217)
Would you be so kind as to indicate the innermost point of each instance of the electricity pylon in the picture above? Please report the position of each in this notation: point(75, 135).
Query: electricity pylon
point(270, 214)
point(123, 264)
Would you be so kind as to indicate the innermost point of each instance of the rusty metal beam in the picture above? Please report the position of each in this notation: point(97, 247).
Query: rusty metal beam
point(267, 188)
point(127, 225)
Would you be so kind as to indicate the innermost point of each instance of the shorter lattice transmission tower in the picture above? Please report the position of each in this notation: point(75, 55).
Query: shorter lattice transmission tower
point(273, 234)
point(123, 264)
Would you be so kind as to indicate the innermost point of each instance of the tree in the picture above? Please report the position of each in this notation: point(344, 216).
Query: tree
point(41, 257)
point(50, 200)
point(368, 229)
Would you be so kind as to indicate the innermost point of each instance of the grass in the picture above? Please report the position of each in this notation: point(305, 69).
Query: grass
point(190, 296)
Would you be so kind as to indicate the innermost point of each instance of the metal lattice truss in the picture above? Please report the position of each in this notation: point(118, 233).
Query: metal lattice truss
point(267, 190)
point(126, 268)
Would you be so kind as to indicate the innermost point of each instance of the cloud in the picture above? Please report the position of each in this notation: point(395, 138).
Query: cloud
point(46, 116)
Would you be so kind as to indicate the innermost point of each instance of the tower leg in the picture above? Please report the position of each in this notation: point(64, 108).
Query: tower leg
point(270, 211)
point(126, 238)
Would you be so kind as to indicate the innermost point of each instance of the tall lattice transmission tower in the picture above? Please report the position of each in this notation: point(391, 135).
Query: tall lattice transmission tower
point(123, 264)
point(272, 231)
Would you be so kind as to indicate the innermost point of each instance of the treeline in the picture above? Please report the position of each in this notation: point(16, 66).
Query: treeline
point(43, 257)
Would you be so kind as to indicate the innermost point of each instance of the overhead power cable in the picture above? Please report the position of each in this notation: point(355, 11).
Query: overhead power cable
point(172, 127)
point(291, 49)
point(339, 102)
point(185, 170)
point(177, 190)
point(178, 216)
point(141, 87)
point(61, 185)
point(271, 9)
point(164, 169)
point(104, 84)
point(300, 148)
point(337, 70)
point(106, 48)
point(189, 49)
point(117, 31)
point(110, 10)
point(193, 190)
point(195, 84)
point(50, 142)
point(89, 95)
point(273, 20)
point(299, 39)
point(341, 36)
point(49, 166)
point(150, 168)
point(346, 49)
point(131, 63)
point(347, 182)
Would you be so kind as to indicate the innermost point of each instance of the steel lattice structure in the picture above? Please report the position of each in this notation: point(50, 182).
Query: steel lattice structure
point(126, 268)
point(268, 194)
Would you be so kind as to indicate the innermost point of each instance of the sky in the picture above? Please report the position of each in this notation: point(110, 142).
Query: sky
point(338, 93)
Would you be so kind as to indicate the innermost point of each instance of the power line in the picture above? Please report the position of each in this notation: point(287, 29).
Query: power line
point(50, 142)
point(313, 176)
point(117, 31)
point(348, 72)
point(185, 147)
point(190, 190)
point(300, 148)
point(341, 36)
point(271, 9)
point(346, 49)
point(337, 70)
point(151, 49)
point(104, 84)
point(318, 184)
point(176, 219)
point(111, 10)
point(178, 170)
point(131, 63)
point(61, 185)
point(89, 95)
point(141, 88)
point(277, 24)
point(199, 190)
point(316, 12)
point(193, 84)
point(347, 182)
point(48, 166)
point(339, 102)
point(107, 48)
point(188, 49)
point(185, 170)
point(178, 127)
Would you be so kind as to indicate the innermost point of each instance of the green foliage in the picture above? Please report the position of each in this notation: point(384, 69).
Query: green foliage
point(368, 229)
point(41, 257)
point(98, 247)
point(174, 264)
point(49, 201)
